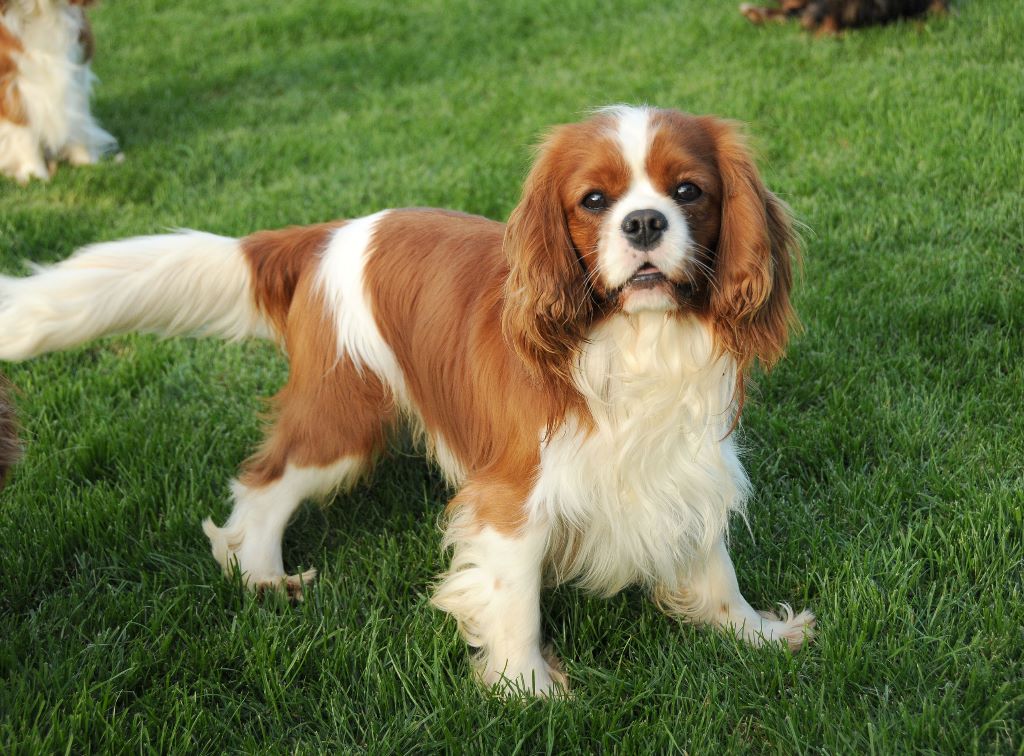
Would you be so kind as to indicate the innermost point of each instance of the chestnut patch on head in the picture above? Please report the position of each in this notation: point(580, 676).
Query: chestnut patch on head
point(553, 291)
point(12, 108)
point(681, 164)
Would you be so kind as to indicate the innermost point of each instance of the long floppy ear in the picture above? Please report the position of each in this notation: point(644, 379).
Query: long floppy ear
point(546, 302)
point(754, 260)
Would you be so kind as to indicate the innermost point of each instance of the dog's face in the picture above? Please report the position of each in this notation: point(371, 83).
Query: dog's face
point(636, 210)
point(643, 208)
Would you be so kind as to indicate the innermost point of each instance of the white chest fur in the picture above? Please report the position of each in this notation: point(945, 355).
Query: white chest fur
point(652, 486)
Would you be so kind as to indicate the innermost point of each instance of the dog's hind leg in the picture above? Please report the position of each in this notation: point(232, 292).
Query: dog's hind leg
point(251, 537)
point(332, 418)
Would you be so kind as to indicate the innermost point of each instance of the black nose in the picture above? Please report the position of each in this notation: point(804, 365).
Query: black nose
point(643, 228)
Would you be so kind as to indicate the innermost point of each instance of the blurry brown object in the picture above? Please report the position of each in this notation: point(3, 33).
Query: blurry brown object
point(833, 16)
point(10, 448)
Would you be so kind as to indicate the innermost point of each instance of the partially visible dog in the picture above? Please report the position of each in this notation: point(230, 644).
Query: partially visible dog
point(10, 449)
point(832, 16)
point(45, 80)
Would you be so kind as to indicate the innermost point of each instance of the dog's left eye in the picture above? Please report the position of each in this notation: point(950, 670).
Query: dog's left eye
point(595, 202)
point(687, 192)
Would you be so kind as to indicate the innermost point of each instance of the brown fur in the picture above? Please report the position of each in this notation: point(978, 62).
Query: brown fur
point(279, 259)
point(742, 230)
point(549, 298)
point(328, 409)
point(87, 40)
point(10, 448)
point(435, 281)
point(750, 306)
point(12, 108)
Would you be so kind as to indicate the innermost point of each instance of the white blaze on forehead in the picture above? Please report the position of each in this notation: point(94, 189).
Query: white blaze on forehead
point(633, 134)
point(619, 261)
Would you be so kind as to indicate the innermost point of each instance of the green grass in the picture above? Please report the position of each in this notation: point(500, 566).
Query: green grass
point(887, 450)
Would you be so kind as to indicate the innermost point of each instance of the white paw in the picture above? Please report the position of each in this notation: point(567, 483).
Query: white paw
point(79, 154)
point(792, 629)
point(28, 171)
point(288, 585)
point(260, 572)
point(542, 677)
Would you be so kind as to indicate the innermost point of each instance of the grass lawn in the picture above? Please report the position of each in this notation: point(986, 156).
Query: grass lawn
point(887, 450)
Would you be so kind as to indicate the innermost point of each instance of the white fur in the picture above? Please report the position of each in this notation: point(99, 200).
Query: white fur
point(642, 498)
point(341, 280)
point(492, 589)
point(645, 496)
point(54, 84)
point(651, 489)
point(251, 538)
point(710, 594)
point(183, 283)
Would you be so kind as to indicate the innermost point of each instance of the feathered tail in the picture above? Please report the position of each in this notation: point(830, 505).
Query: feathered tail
point(183, 283)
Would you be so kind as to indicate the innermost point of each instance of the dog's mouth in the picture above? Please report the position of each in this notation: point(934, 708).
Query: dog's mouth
point(649, 276)
point(650, 285)
point(646, 277)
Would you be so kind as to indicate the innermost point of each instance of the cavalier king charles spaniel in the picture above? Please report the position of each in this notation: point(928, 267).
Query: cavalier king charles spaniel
point(577, 373)
point(45, 49)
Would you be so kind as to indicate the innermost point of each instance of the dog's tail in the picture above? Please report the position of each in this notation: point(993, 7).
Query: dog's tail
point(183, 283)
point(10, 449)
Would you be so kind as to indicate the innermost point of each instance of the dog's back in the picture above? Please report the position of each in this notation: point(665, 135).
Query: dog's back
point(831, 16)
point(849, 14)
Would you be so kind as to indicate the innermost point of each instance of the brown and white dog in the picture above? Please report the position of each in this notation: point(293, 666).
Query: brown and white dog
point(45, 80)
point(832, 16)
point(576, 373)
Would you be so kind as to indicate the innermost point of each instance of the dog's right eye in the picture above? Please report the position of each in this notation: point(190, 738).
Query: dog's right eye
point(595, 202)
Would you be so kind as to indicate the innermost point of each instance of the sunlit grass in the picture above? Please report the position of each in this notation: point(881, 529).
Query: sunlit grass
point(887, 450)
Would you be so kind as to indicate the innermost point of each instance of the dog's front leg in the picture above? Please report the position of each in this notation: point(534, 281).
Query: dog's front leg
point(492, 589)
point(710, 594)
point(21, 156)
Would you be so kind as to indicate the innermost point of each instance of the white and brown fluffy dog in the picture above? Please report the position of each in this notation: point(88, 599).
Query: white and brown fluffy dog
point(45, 79)
point(577, 373)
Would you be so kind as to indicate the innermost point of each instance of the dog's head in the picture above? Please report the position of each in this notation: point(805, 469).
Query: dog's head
point(637, 209)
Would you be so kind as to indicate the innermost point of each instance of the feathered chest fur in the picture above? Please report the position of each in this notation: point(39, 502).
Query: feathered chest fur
point(652, 485)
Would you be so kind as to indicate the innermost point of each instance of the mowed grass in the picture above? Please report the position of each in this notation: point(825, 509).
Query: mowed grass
point(886, 451)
